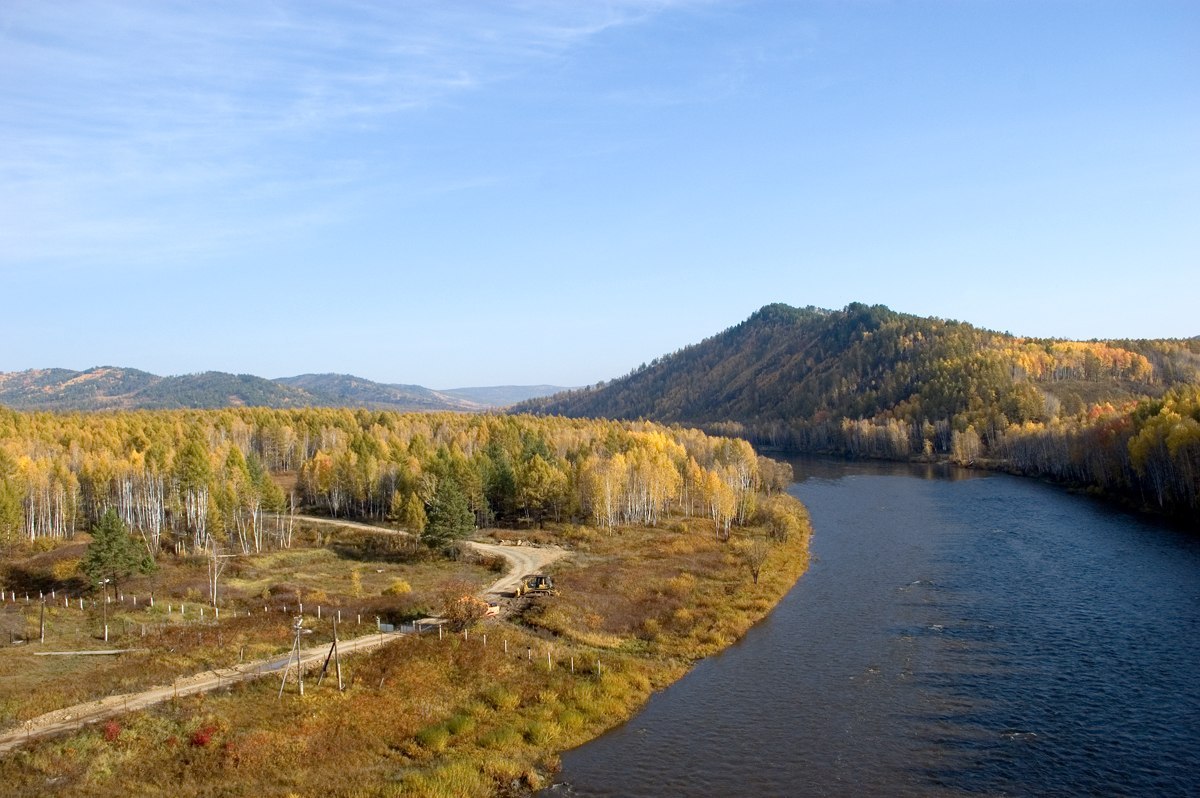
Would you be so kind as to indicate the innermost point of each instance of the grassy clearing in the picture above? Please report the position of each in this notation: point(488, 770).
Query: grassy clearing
point(260, 594)
point(448, 717)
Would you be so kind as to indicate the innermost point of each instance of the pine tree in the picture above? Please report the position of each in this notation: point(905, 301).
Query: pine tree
point(450, 517)
point(113, 554)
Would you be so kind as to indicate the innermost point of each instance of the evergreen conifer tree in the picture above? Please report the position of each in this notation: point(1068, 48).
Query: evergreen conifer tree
point(113, 554)
point(449, 517)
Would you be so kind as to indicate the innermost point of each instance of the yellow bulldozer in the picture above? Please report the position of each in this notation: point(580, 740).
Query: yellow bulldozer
point(536, 584)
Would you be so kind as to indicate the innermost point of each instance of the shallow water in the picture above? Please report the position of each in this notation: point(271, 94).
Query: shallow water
point(957, 633)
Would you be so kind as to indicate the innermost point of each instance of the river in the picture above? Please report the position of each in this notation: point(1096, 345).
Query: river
point(957, 633)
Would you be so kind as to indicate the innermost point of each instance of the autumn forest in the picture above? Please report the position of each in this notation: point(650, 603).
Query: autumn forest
point(1117, 417)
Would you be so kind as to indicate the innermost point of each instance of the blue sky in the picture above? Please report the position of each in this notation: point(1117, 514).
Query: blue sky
point(456, 193)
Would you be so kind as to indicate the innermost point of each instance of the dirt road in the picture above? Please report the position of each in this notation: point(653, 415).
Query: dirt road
point(523, 559)
point(71, 718)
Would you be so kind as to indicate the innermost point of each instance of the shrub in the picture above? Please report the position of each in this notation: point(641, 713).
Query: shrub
point(541, 732)
point(399, 587)
point(570, 719)
point(501, 738)
point(434, 738)
point(65, 569)
point(202, 736)
point(460, 724)
point(112, 730)
point(499, 698)
point(464, 611)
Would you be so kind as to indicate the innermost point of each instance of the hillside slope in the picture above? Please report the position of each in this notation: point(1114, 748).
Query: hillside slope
point(1118, 417)
point(785, 364)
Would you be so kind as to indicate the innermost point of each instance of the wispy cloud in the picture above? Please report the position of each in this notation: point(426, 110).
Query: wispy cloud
point(123, 120)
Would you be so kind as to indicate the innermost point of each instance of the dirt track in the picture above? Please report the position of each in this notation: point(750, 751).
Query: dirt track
point(524, 560)
point(74, 717)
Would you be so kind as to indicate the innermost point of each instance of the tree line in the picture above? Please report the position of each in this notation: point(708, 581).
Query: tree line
point(192, 480)
point(1147, 450)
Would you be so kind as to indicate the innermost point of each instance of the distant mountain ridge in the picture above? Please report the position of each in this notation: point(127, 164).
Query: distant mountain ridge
point(503, 395)
point(114, 388)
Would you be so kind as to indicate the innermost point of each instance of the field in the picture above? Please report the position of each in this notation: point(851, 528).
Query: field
point(354, 575)
point(483, 712)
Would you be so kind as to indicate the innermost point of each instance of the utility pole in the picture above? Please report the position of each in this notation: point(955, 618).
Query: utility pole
point(334, 654)
point(299, 630)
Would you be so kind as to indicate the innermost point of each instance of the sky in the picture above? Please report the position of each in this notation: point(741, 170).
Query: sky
point(554, 191)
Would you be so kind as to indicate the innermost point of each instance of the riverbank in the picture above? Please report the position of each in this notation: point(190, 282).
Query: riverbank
point(484, 713)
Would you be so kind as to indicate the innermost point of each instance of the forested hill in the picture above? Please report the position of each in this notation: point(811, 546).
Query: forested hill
point(867, 380)
point(785, 363)
point(110, 388)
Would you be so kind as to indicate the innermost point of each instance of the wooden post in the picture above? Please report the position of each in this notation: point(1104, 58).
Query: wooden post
point(337, 656)
point(299, 664)
point(42, 621)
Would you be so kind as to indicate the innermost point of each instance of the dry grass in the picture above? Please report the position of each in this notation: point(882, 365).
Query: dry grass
point(178, 645)
point(449, 717)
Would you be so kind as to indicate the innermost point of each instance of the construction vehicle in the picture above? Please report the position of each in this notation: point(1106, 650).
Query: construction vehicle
point(538, 584)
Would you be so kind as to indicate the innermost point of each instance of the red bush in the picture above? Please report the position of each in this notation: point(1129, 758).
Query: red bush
point(112, 730)
point(202, 737)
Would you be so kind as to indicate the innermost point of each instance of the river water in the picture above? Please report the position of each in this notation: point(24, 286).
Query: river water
point(957, 633)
